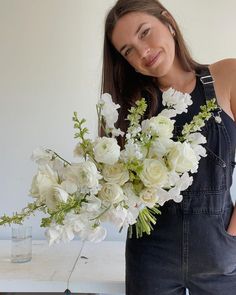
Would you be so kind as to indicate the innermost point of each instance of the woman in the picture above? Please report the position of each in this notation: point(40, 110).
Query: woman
point(193, 244)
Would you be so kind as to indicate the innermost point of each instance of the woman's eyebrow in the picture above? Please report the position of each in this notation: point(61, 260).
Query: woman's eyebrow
point(138, 29)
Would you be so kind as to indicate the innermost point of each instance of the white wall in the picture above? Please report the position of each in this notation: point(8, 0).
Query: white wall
point(50, 66)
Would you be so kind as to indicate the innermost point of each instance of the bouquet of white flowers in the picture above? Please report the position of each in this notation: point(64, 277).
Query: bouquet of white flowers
point(125, 187)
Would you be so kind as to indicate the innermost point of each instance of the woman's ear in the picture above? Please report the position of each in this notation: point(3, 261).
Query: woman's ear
point(170, 21)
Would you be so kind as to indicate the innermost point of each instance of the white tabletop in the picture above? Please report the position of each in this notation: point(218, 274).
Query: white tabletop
point(48, 271)
point(93, 268)
point(100, 269)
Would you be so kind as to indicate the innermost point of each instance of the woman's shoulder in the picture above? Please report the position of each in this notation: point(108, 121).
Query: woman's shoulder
point(224, 74)
point(224, 70)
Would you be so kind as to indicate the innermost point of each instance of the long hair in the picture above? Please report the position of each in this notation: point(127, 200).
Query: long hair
point(119, 78)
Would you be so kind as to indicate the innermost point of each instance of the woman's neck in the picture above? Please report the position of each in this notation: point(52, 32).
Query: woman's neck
point(178, 79)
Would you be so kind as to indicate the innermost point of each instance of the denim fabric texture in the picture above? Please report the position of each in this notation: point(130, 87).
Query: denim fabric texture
point(190, 246)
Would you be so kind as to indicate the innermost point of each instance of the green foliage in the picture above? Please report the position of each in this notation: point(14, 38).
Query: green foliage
point(86, 144)
point(18, 218)
point(198, 120)
point(62, 209)
point(135, 113)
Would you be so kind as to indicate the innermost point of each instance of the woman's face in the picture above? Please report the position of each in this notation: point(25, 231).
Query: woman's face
point(145, 42)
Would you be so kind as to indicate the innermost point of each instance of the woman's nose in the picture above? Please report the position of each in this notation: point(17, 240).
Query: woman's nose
point(143, 51)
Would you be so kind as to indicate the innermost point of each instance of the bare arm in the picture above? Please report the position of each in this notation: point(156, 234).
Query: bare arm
point(232, 77)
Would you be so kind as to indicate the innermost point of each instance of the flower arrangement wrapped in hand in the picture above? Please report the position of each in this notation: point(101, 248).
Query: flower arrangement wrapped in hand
point(125, 187)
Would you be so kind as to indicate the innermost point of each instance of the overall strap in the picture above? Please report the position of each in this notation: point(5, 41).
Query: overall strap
point(209, 91)
point(207, 81)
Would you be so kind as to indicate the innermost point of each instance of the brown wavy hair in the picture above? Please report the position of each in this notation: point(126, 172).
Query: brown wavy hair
point(119, 78)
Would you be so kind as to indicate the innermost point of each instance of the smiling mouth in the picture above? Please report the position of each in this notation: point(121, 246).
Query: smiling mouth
point(149, 64)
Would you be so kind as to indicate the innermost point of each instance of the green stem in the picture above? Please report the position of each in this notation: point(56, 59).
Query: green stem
point(58, 156)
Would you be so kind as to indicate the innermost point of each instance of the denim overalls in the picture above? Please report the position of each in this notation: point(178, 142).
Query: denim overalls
point(189, 246)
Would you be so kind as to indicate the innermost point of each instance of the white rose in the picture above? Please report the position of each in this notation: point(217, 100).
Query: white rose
point(42, 187)
point(149, 197)
point(160, 126)
point(106, 150)
point(116, 173)
point(111, 193)
point(154, 173)
point(182, 158)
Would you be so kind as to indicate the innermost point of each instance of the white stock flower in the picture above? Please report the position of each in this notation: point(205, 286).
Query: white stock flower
point(85, 175)
point(111, 193)
point(169, 113)
point(56, 233)
point(176, 99)
point(132, 151)
point(95, 235)
point(184, 181)
point(149, 196)
point(182, 158)
point(60, 194)
point(116, 216)
point(92, 204)
point(116, 132)
point(41, 156)
point(159, 125)
point(163, 196)
point(77, 222)
point(53, 233)
point(69, 186)
point(172, 179)
point(196, 140)
point(78, 151)
point(116, 173)
point(182, 184)
point(106, 150)
point(109, 110)
point(131, 198)
point(160, 147)
point(154, 173)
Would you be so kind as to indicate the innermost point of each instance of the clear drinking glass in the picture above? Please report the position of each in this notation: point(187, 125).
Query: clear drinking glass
point(21, 243)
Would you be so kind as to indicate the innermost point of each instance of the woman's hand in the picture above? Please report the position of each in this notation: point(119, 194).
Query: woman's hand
point(232, 224)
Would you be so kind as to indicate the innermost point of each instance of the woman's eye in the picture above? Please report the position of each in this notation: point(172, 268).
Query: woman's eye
point(144, 33)
point(127, 51)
